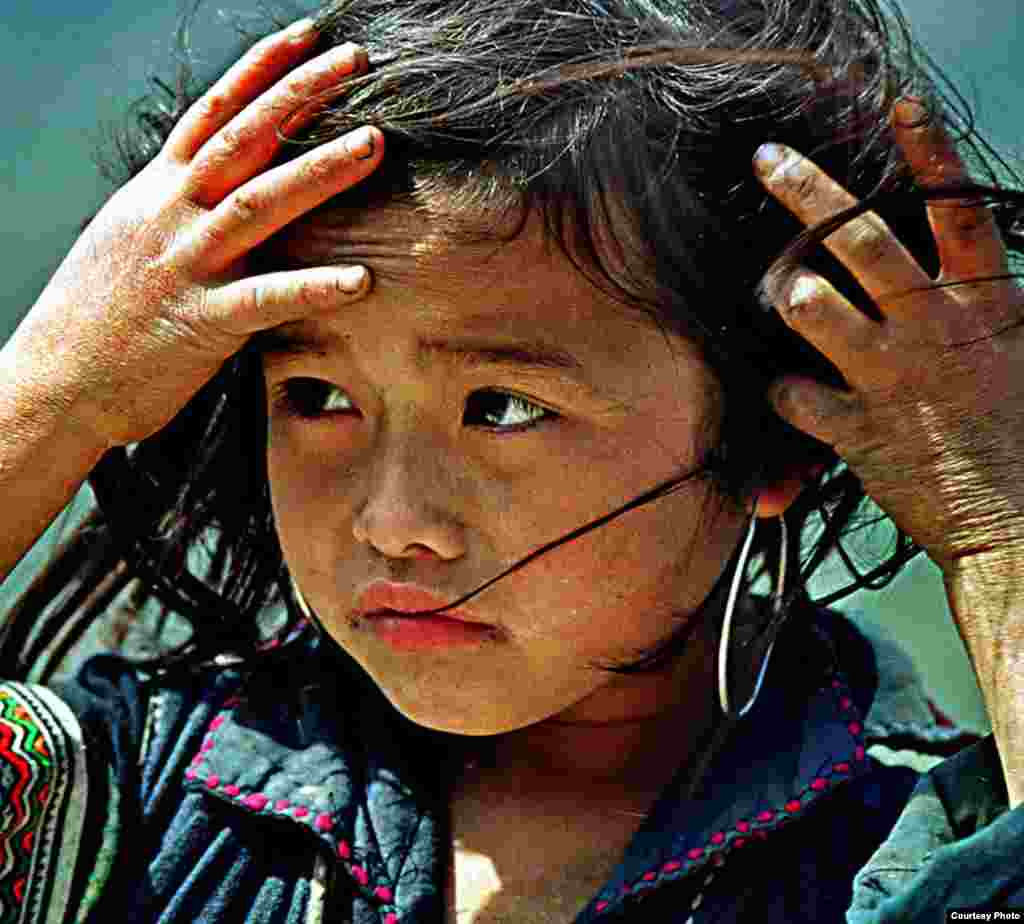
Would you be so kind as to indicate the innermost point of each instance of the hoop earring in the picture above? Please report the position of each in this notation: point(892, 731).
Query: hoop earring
point(730, 606)
point(300, 600)
point(304, 610)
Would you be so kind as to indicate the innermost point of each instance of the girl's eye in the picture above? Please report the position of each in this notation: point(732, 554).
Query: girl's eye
point(313, 398)
point(500, 410)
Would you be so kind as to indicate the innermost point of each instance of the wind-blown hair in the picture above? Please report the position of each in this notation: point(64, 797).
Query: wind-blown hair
point(629, 126)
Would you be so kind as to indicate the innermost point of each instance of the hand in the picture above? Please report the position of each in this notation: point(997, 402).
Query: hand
point(933, 421)
point(153, 297)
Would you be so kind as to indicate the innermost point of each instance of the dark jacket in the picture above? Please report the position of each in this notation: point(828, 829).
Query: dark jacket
point(293, 792)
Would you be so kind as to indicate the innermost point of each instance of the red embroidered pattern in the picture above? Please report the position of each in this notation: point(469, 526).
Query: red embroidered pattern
point(25, 760)
point(44, 790)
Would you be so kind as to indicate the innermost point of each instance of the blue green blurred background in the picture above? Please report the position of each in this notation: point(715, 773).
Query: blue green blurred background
point(73, 65)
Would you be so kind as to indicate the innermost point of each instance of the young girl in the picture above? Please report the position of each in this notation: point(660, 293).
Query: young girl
point(467, 345)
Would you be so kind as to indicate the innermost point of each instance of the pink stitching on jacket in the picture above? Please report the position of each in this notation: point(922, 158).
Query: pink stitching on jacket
point(719, 845)
point(257, 802)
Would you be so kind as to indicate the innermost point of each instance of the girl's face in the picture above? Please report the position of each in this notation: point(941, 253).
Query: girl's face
point(481, 402)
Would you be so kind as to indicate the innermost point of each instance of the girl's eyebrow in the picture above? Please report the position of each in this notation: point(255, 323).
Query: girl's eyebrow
point(500, 353)
point(530, 354)
point(279, 344)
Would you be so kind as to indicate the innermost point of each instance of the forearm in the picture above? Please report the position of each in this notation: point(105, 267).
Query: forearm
point(44, 458)
point(986, 596)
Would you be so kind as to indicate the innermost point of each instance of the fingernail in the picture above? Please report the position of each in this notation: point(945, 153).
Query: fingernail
point(802, 290)
point(301, 28)
point(358, 55)
point(768, 157)
point(773, 161)
point(360, 144)
point(352, 278)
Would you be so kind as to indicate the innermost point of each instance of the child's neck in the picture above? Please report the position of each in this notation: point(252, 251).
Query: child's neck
point(631, 735)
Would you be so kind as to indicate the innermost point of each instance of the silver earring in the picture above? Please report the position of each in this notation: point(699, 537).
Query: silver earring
point(304, 608)
point(730, 606)
point(301, 600)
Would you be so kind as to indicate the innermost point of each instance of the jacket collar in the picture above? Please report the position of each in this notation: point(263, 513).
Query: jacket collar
point(339, 761)
point(789, 752)
point(336, 759)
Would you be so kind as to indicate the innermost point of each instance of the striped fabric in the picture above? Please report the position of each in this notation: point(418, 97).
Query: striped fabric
point(45, 789)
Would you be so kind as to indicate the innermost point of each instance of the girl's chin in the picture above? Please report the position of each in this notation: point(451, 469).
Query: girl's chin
point(459, 711)
point(453, 722)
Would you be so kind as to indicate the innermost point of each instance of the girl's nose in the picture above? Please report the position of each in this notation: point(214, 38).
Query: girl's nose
point(404, 513)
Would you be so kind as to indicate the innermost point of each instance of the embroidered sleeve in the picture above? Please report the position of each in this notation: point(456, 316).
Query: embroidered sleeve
point(44, 791)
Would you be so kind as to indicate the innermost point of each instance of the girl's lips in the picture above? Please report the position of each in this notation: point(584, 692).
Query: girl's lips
point(399, 614)
point(425, 633)
point(387, 599)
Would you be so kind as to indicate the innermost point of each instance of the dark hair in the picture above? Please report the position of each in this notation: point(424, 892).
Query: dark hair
point(637, 118)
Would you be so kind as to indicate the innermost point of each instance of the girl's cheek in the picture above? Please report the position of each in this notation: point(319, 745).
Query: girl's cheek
point(297, 492)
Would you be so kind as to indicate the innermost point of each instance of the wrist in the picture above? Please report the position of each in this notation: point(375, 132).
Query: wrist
point(986, 597)
point(40, 404)
point(35, 426)
point(989, 580)
point(44, 456)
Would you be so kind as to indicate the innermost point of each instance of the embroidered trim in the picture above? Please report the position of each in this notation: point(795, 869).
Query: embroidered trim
point(43, 774)
point(320, 822)
point(757, 827)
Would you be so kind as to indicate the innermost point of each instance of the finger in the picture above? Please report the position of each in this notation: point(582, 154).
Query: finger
point(865, 245)
point(250, 140)
point(812, 307)
point(828, 414)
point(966, 235)
point(257, 303)
point(273, 199)
point(257, 69)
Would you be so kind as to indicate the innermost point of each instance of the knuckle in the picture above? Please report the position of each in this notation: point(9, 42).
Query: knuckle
point(254, 303)
point(259, 301)
point(204, 303)
point(211, 235)
point(194, 322)
point(229, 142)
point(246, 205)
point(867, 240)
point(316, 171)
point(803, 184)
point(307, 293)
point(793, 178)
point(205, 174)
point(295, 87)
point(214, 105)
point(972, 222)
point(202, 321)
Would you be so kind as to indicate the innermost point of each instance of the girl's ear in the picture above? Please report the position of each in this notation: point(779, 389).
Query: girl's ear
point(774, 499)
